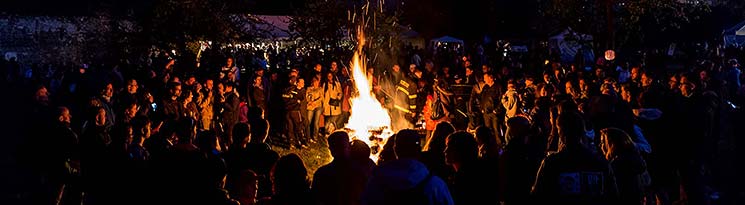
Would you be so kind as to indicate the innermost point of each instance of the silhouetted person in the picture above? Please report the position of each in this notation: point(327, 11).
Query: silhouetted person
point(519, 161)
point(290, 180)
point(434, 156)
point(261, 157)
point(628, 165)
point(338, 182)
point(574, 175)
point(360, 156)
point(473, 181)
point(405, 180)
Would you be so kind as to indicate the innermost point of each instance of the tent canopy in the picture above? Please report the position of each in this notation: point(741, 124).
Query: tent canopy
point(446, 39)
point(735, 36)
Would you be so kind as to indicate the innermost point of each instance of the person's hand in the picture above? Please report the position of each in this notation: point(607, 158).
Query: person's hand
point(199, 87)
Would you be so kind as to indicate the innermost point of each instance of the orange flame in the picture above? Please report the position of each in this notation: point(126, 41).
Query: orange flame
point(367, 114)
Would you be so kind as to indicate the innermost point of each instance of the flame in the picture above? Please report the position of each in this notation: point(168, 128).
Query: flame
point(367, 115)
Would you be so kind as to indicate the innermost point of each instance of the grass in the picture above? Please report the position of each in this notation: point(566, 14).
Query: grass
point(314, 156)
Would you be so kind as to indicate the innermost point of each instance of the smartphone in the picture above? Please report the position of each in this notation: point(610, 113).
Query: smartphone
point(154, 106)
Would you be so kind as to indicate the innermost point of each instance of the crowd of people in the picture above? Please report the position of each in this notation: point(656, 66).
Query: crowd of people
point(474, 133)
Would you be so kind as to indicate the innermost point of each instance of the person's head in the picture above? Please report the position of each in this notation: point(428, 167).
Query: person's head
point(360, 150)
point(108, 90)
point(334, 66)
point(407, 144)
point(488, 78)
point(485, 68)
point(186, 130)
point(300, 83)
point(132, 86)
point(208, 141)
point(63, 115)
point(258, 81)
point(41, 95)
point(529, 81)
point(229, 87)
point(436, 143)
point(672, 82)
point(247, 187)
point(686, 89)
point(330, 77)
point(259, 131)
point(174, 89)
point(100, 116)
point(289, 175)
point(318, 68)
point(485, 136)
point(339, 145)
point(646, 79)
point(141, 128)
point(209, 84)
point(607, 89)
point(461, 148)
point(569, 87)
point(614, 142)
point(626, 92)
point(635, 71)
point(186, 97)
point(571, 129)
point(241, 134)
point(518, 129)
point(191, 80)
point(229, 62)
point(469, 71)
point(412, 68)
point(396, 68)
point(599, 73)
point(315, 82)
point(547, 77)
point(130, 110)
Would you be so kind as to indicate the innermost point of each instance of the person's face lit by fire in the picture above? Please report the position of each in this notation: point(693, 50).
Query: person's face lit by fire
point(108, 91)
point(229, 62)
point(257, 81)
point(334, 67)
point(176, 91)
point(209, 84)
point(132, 86)
point(635, 73)
point(396, 69)
point(131, 111)
point(646, 80)
point(672, 83)
point(318, 68)
point(316, 83)
point(488, 79)
point(469, 71)
point(65, 116)
point(329, 77)
point(686, 89)
point(546, 78)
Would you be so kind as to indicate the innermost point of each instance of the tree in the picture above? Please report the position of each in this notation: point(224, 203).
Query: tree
point(620, 23)
point(320, 23)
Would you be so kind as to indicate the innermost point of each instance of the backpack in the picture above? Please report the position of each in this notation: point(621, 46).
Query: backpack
point(412, 196)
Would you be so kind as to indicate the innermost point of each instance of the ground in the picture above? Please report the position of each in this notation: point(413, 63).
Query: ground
point(314, 156)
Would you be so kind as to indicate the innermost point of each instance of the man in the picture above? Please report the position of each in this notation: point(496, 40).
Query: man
point(257, 95)
point(406, 180)
point(229, 72)
point(62, 161)
point(229, 103)
point(338, 182)
point(404, 101)
point(169, 109)
point(511, 100)
point(490, 106)
point(575, 174)
point(205, 104)
point(292, 98)
point(105, 100)
point(128, 95)
point(262, 157)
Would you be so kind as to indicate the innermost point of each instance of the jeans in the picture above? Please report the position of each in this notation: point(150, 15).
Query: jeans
point(492, 122)
point(294, 130)
point(313, 116)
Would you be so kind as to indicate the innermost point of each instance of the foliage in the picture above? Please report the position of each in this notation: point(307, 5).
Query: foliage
point(322, 22)
point(629, 20)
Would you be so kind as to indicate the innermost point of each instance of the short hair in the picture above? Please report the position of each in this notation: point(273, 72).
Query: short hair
point(572, 128)
point(259, 130)
point(464, 145)
point(407, 144)
point(336, 142)
point(241, 133)
point(360, 150)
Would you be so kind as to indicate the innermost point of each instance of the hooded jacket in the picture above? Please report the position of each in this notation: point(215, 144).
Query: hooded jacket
point(402, 176)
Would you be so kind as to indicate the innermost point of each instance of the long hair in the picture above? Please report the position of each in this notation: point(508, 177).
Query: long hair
point(615, 142)
point(436, 142)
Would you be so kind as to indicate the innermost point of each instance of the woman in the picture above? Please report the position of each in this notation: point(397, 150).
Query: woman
point(627, 164)
point(434, 156)
point(290, 179)
point(332, 95)
point(314, 97)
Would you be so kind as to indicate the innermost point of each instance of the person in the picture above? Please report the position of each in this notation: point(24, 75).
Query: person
point(574, 175)
point(258, 97)
point(105, 100)
point(94, 158)
point(205, 102)
point(169, 110)
point(489, 106)
point(127, 96)
point(404, 102)
point(262, 158)
point(229, 103)
point(247, 187)
point(511, 100)
point(434, 154)
point(519, 162)
point(332, 96)
point(62, 164)
point(141, 128)
point(406, 180)
point(360, 156)
point(314, 97)
point(291, 185)
point(627, 163)
point(338, 182)
point(292, 97)
point(236, 157)
point(472, 182)
point(229, 72)
point(489, 150)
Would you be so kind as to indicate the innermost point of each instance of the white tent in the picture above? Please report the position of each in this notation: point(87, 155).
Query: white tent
point(571, 43)
point(446, 39)
point(735, 36)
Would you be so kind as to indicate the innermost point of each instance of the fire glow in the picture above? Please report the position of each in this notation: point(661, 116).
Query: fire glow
point(368, 121)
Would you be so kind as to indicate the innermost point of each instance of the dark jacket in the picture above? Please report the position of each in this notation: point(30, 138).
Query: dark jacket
point(338, 183)
point(575, 176)
point(405, 176)
point(489, 98)
point(629, 170)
